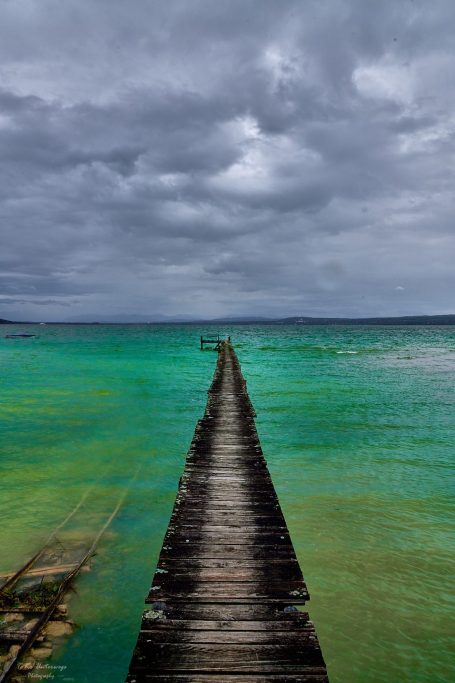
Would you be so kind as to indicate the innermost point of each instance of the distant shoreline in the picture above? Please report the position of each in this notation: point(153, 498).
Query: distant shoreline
point(297, 320)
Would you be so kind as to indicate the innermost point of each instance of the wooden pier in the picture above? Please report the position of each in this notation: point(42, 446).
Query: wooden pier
point(222, 602)
point(211, 340)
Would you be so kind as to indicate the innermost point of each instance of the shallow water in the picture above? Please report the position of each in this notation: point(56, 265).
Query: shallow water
point(357, 427)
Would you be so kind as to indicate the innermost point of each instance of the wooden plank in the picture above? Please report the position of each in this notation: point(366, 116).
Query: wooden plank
point(231, 535)
point(243, 481)
point(310, 675)
point(245, 592)
point(279, 572)
point(230, 499)
point(214, 476)
point(190, 584)
point(247, 521)
point(225, 551)
point(244, 513)
point(220, 625)
point(290, 637)
point(44, 571)
point(242, 529)
point(238, 658)
point(176, 563)
point(228, 504)
point(230, 612)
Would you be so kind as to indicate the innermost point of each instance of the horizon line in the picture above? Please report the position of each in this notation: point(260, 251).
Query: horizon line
point(294, 319)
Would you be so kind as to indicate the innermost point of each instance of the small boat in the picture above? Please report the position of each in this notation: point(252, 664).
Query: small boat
point(19, 334)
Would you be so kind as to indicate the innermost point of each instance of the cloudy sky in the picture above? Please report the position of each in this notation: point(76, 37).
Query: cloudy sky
point(240, 157)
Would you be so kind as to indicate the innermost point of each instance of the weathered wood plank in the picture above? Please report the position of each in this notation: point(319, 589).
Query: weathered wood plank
point(248, 524)
point(231, 535)
point(277, 573)
point(241, 658)
point(229, 612)
point(229, 505)
point(289, 637)
point(176, 564)
point(311, 675)
point(235, 517)
point(228, 551)
point(220, 625)
point(207, 527)
point(241, 592)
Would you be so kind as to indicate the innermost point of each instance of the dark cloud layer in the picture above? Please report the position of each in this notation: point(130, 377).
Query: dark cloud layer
point(218, 158)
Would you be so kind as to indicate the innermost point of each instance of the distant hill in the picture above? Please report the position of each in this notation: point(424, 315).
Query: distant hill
point(256, 320)
point(306, 320)
point(400, 320)
point(125, 319)
point(241, 319)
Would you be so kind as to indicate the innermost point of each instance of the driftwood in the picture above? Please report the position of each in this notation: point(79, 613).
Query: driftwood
point(14, 578)
point(44, 571)
point(33, 634)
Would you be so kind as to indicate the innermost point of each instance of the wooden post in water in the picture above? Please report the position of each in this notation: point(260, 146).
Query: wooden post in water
point(222, 602)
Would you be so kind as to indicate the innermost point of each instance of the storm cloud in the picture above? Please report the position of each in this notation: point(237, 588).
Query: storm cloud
point(203, 158)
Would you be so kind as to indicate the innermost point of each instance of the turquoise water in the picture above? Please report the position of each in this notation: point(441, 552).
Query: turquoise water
point(356, 424)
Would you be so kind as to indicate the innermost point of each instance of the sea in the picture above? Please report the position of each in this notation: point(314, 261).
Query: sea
point(357, 424)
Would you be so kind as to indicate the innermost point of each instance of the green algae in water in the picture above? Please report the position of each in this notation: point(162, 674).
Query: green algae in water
point(357, 427)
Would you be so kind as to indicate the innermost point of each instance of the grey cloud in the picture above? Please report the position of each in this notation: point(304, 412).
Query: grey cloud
point(39, 302)
point(297, 155)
